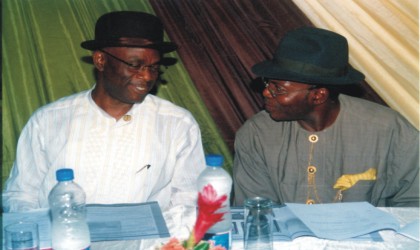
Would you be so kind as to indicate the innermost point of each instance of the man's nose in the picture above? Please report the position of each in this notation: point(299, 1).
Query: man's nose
point(267, 93)
point(145, 74)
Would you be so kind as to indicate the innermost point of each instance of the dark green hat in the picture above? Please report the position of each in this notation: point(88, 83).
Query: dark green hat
point(313, 56)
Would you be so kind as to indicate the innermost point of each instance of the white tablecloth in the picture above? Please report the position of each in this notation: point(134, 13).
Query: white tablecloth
point(392, 240)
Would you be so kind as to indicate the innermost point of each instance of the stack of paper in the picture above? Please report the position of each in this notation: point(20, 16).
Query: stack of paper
point(335, 221)
point(126, 222)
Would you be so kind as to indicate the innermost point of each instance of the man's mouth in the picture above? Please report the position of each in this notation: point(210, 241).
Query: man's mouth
point(141, 88)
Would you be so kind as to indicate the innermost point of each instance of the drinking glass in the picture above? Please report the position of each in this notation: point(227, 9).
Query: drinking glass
point(258, 224)
point(22, 236)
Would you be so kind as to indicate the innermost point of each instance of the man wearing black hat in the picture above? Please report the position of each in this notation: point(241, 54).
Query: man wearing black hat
point(315, 145)
point(124, 145)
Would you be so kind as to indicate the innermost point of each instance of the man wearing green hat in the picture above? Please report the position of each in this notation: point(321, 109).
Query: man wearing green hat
point(312, 144)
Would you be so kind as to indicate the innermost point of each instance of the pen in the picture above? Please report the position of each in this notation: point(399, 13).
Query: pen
point(145, 166)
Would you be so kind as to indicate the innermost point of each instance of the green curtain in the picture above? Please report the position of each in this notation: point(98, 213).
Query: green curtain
point(42, 61)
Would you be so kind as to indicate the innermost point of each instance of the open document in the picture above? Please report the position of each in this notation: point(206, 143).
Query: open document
point(338, 221)
point(126, 221)
point(411, 230)
point(106, 222)
point(335, 221)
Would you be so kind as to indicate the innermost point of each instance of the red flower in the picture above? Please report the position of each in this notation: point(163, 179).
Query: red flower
point(208, 204)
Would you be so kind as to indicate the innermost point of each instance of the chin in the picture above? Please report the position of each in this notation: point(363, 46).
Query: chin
point(274, 118)
point(271, 115)
point(279, 118)
point(136, 99)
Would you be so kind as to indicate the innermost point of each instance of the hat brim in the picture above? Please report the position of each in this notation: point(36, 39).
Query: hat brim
point(164, 61)
point(163, 47)
point(268, 69)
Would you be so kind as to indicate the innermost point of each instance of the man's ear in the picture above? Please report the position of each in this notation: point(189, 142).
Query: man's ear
point(98, 60)
point(319, 95)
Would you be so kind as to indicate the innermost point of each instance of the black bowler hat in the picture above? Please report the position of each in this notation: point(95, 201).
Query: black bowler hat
point(313, 56)
point(129, 29)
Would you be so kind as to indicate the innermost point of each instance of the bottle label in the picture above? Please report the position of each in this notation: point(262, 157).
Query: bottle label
point(223, 239)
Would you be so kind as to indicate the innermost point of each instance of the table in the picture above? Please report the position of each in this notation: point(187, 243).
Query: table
point(392, 240)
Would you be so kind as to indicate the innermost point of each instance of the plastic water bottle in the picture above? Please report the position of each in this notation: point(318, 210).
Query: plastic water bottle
point(68, 208)
point(221, 181)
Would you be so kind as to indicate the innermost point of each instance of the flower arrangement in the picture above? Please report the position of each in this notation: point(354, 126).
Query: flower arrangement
point(208, 204)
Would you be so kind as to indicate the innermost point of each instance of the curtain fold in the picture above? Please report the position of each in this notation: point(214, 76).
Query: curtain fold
point(219, 43)
point(42, 61)
point(384, 44)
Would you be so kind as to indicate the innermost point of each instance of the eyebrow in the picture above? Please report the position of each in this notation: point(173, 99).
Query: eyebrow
point(278, 82)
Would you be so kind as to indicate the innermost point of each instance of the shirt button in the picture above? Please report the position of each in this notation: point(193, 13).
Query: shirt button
point(313, 138)
point(311, 169)
point(127, 118)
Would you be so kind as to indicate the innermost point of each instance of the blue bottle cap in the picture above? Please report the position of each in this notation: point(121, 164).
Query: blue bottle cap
point(64, 174)
point(214, 160)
